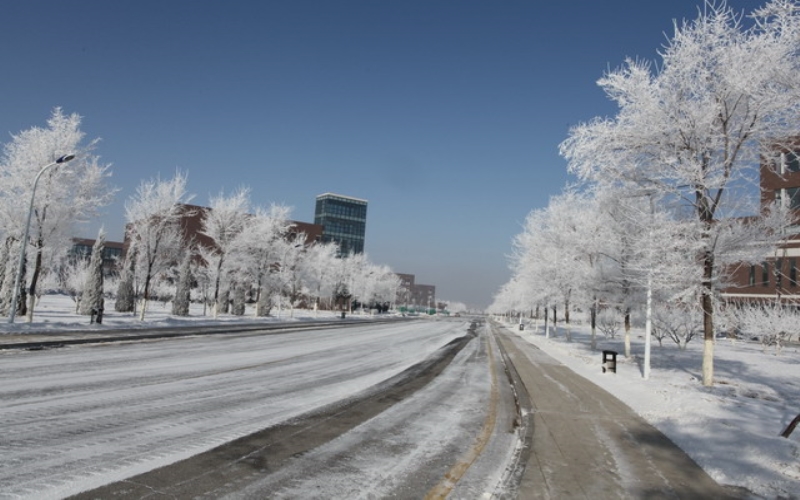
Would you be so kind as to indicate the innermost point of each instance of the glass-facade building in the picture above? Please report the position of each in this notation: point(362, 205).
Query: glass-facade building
point(344, 221)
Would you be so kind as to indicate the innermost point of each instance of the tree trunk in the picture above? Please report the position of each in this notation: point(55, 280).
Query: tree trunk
point(22, 298)
point(546, 324)
point(593, 313)
point(706, 302)
point(146, 291)
point(627, 333)
point(238, 300)
point(37, 270)
point(791, 427)
point(216, 287)
point(125, 301)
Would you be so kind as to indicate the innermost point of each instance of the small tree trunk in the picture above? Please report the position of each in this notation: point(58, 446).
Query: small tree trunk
point(786, 432)
point(37, 269)
point(593, 313)
point(180, 304)
point(238, 300)
point(546, 324)
point(145, 295)
point(627, 333)
point(708, 325)
point(555, 321)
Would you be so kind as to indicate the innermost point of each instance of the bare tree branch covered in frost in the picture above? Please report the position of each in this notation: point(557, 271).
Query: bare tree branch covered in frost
point(317, 270)
point(72, 277)
point(153, 214)
point(66, 195)
point(679, 322)
point(773, 323)
point(261, 242)
point(693, 127)
point(224, 223)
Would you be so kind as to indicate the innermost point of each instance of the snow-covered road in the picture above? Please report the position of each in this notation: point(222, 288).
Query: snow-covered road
point(80, 417)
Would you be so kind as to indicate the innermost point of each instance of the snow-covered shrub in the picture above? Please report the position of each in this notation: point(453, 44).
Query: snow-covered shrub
point(72, 278)
point(609, 322)
point(678, 322)
point(773, 324)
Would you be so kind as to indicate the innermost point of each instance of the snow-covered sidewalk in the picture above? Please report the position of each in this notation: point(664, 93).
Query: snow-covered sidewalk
point(731, 430)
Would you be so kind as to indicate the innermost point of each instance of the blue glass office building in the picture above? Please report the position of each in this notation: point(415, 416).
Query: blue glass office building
point(344, 220)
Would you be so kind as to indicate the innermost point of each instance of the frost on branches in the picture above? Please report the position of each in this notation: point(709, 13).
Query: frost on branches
point(692, 126)
point(65, 195)
point(153, 214)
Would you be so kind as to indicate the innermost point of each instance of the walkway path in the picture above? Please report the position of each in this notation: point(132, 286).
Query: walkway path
point(588, 444)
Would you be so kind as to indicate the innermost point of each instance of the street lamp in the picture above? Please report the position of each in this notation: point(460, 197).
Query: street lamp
point(18, 279)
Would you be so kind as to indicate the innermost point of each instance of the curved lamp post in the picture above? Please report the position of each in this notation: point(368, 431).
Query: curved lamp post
point(18, 279)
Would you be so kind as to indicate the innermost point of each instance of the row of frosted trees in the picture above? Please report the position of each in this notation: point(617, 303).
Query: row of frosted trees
point(253, 256)
point(656, 218)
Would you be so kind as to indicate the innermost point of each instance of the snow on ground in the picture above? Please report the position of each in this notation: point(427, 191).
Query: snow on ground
point(731, 429)
point(57, 313)
point(77, 418)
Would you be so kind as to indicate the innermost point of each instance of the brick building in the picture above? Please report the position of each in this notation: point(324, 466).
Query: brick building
point(191, 226)
point(777, 276)
point(415, 296)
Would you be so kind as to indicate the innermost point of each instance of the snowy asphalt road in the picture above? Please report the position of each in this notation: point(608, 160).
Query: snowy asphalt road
point(81, 417)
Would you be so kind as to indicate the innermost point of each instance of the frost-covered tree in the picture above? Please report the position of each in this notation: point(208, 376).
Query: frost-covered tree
point(261, 239)
point(239, 299)
point(153, 214)
point(65, 195)
point(224, 223)
point(183, 287)
point(694, 125)
point(72, 276)
point(287, 269)
point(126, 294)
point(772, 323)
point(680, 322)
point(92, 296)
point(318, 270)
point(555, 256)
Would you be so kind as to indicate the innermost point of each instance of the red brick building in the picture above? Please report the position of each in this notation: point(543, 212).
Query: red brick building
point(777, 276)
point(191, 225)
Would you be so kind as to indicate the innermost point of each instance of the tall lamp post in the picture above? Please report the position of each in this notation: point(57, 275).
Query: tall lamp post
point(18, 279)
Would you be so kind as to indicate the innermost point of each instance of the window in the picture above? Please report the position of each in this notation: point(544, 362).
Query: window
point(752, 280)
point(764, 274)
point(792, 273)
point(778, 273)
point(793, 197)
point(788, 197)
point(792, 161)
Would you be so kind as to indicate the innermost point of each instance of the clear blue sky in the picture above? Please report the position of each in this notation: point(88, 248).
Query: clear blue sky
point(445, 115)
